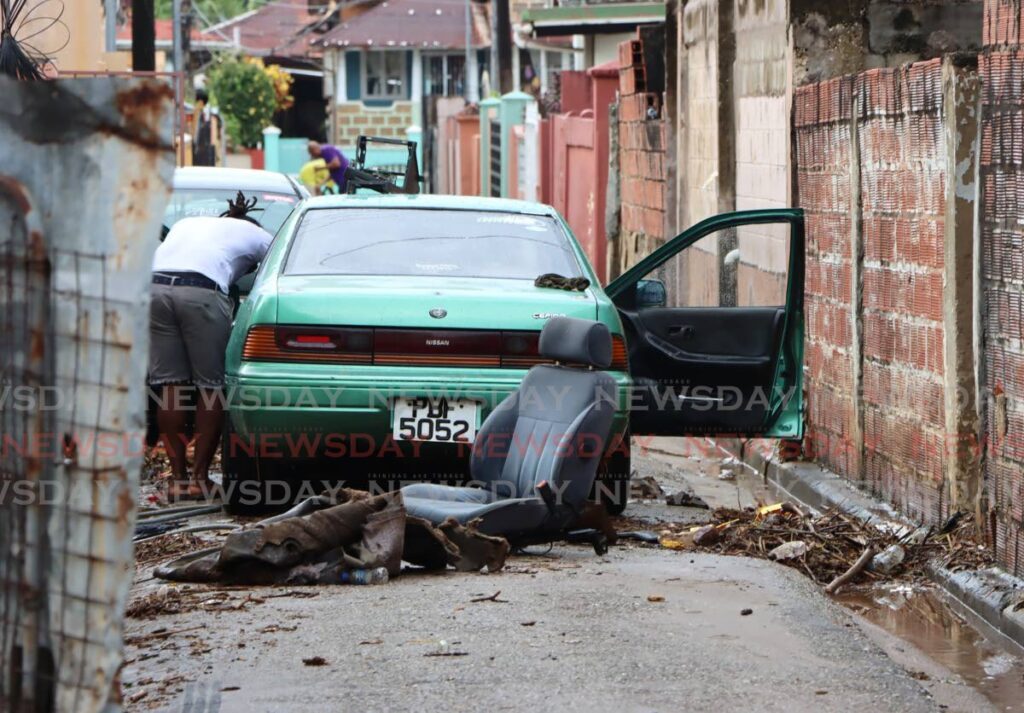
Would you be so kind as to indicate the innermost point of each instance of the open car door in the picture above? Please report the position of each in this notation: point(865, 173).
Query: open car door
point(714, 325)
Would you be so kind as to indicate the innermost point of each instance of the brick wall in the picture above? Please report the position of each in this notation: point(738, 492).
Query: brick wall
point(888, 354)
point(642, 141)
point(903, 176)
point(354, 118)
point(1002, 274)
point(822, 121)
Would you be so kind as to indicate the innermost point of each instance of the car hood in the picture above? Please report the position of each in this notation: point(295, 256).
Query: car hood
point(401, 301)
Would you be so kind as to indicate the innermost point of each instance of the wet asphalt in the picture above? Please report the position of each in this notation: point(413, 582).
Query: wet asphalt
point(639, 629)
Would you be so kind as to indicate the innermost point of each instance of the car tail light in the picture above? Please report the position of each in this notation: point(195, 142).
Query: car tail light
point(520, 350)
point(620, 355)
point(308, 344)
point(404, 347)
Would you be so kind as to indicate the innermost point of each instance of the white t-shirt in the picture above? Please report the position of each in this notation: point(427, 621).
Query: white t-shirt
point(222, 249)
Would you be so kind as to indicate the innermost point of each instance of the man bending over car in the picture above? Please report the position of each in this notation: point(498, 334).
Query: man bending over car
point(190, 322)
point(335, 162)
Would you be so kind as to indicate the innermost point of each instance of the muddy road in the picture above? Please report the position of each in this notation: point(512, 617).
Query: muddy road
point(640, 629)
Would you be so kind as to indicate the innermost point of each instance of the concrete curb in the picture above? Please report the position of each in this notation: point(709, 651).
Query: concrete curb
point(990, 594)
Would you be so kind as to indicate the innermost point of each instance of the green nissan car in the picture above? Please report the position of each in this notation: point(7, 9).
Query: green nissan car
point(382, 330)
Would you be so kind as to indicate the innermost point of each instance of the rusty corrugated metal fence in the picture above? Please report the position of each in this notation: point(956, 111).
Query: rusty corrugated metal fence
point(83, 183)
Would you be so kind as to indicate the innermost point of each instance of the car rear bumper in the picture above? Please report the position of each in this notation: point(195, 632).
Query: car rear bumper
point(322, 407)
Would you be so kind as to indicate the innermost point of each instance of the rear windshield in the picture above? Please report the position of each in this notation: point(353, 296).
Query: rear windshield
point(270, 211)
point(456, 243)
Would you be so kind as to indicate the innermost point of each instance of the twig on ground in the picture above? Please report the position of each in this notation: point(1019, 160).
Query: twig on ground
point(492, 598)
point(855, 569)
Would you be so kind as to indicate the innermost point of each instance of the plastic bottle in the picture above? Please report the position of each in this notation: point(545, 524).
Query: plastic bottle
point(888, 559)
point(377, 575)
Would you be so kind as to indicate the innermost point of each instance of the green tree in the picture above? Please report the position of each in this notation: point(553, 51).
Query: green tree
point(212, 10)
point(245, 96)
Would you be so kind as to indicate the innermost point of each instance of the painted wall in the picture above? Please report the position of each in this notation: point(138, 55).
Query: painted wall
point(352, 118)
point(762, 91)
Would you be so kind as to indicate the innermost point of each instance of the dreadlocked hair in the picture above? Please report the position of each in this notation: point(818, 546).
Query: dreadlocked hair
point(18, 61)
point(240, 208)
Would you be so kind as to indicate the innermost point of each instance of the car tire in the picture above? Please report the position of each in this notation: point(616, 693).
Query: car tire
point(612, 487)
point(246, 478)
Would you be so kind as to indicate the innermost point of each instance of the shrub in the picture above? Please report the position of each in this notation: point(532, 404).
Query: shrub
point(246, 98)
point(282, 82)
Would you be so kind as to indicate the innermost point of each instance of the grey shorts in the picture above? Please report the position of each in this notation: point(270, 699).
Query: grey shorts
point(188, 332)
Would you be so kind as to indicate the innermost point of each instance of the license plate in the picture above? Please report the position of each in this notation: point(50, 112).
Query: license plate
point(441, 420)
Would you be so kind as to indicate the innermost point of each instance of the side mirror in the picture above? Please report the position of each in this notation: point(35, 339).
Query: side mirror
point(650, 293)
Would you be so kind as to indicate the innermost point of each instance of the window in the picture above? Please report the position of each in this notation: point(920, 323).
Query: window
point(744, 266)
point(384, 75)
point(430, 243)
point(270, 211)
point(555, 63)
point(443, 76)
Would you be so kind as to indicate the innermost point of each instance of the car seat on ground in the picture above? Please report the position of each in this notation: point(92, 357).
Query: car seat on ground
point(535, 458)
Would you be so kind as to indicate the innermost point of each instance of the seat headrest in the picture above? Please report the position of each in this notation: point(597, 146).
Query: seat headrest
point(581, 341)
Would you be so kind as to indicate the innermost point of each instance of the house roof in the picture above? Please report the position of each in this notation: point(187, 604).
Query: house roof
point(271, 29)
point(425, 24)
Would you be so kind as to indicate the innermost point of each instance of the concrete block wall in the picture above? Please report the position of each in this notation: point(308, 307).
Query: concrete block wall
point(1002, 275)
point(642, 142)
point(354, 118)
point(702, 169)
point(762, 95)
point(699, 93)
point(842, 37)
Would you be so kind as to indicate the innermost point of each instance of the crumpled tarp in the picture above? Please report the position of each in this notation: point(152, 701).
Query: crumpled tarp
point(351, 530)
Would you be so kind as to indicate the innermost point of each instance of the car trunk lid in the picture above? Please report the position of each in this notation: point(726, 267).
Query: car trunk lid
point(426, 302)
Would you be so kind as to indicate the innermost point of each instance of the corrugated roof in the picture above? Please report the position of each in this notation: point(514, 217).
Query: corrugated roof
point(426, 24)
point(267, 30)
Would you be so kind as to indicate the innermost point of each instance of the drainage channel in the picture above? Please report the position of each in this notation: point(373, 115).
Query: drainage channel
point(941, 630)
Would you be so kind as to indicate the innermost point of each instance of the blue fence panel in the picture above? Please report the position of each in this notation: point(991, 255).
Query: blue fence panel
point(293, 155)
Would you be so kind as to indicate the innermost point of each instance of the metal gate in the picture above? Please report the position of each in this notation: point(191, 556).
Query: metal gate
point(83, 184)
point(495, 164)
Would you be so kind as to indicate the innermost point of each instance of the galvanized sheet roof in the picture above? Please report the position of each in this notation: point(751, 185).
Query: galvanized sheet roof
point(423, 24)
point(271, 29)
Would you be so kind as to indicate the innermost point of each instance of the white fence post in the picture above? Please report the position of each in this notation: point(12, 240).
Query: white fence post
point(529, 158)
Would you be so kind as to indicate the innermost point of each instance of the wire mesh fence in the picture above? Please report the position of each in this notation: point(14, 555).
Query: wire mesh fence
point(74, 270)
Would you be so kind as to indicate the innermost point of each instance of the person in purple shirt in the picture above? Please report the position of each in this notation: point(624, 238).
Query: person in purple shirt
point(335, 160)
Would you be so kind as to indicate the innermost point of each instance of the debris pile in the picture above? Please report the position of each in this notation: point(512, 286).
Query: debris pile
point(322, 539)
point(833, 549)
point(160, 548)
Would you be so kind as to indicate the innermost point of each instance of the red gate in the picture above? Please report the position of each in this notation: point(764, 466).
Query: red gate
point(574, 185)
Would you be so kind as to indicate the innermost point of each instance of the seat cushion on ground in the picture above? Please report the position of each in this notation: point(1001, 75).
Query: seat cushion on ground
point(499, 518)
point(447, 493)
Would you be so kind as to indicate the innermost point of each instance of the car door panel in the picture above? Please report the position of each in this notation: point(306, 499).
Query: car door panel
point(715, 369)
point(747, 335)
point(725, 354)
